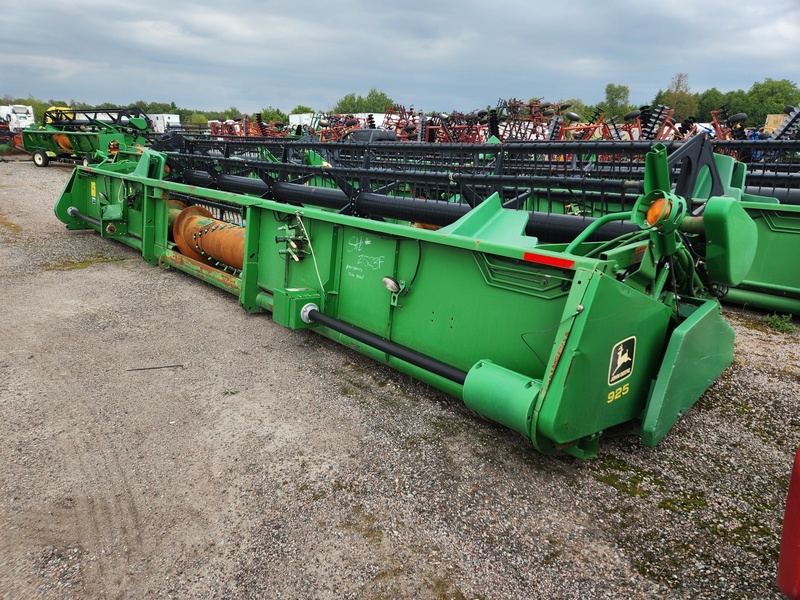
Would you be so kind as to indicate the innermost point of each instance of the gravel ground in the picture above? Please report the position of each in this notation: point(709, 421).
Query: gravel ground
point(160, 442)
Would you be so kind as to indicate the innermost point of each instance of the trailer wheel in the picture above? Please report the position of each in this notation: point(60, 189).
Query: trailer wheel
point(737, 118)
point(40, 158)
point(87, 160)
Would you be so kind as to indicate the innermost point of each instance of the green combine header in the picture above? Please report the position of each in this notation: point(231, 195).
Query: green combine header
point(562, 327)
point(85, 135)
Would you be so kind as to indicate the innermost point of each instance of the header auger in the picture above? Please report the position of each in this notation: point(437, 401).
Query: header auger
point(562, 327)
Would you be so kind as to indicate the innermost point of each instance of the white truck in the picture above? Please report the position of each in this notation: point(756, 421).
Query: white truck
point(17, 116)
point(164, 123)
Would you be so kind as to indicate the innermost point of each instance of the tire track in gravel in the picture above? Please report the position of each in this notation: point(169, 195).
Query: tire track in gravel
point(106, 520)
point(92, 517)
point(74, 516)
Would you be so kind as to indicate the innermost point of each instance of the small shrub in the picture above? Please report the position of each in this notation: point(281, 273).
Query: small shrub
point(781, 323)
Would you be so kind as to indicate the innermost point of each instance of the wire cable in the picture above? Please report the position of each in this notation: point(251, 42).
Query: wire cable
point(313, 258)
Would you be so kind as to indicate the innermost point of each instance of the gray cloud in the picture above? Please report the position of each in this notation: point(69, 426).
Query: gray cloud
point(444, 55)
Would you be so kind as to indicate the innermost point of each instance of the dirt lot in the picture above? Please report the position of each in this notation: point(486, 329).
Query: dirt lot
point(158, 441)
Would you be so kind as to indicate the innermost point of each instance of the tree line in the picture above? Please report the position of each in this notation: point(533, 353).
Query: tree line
point(767, 97)
point(763, 98)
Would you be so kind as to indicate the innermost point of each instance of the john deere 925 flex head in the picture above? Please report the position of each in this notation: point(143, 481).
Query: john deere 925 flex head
point(559, 326)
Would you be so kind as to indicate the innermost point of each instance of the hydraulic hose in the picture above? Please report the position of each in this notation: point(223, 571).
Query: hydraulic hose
point(311, 314)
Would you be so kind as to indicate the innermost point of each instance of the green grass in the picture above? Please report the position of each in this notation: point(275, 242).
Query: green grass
point(781, 323)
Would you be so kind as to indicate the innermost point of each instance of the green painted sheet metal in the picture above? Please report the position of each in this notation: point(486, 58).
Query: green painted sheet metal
point(699, 350)
point(773, 280)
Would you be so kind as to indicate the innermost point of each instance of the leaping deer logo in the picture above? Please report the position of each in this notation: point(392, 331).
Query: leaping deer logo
point(623, 357)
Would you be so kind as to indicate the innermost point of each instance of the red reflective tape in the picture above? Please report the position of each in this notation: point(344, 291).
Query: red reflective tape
point(552, 261)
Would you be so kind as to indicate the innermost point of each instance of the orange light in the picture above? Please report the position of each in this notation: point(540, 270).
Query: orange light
point(658, 210)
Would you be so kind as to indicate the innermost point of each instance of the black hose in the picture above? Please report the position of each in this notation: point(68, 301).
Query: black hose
point(410, 356)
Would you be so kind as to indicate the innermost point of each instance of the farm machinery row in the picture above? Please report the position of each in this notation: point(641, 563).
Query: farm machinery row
point(94, 134)
point(516, 121)
point(511, 120)
point(566, 290)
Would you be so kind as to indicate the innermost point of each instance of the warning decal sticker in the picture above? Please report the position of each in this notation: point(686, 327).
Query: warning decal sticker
point(622, 357)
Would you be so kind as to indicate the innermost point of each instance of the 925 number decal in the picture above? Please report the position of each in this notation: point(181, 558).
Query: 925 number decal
point(618, 393)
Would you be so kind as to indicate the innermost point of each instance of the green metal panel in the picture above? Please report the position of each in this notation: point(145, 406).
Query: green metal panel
point(611, 346)
point(281, 256)
point(732, 174)
point(453, 301)
point(36, 139)
point(463, 299)
point(773, 281)
point(74, 194)
point(699, 350)
point(366, 258)
point(727, 225)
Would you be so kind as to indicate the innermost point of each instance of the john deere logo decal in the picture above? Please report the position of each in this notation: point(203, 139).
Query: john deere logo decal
point(622, 357)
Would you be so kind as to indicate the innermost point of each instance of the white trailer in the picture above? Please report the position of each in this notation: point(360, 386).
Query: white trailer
point(163, 123)
point(18, 116)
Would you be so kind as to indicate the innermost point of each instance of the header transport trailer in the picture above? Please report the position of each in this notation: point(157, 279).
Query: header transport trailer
point(84, 135)
point(617, 329)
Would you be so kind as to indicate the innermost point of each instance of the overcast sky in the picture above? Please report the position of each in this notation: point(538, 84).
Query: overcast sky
point(433, 55)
